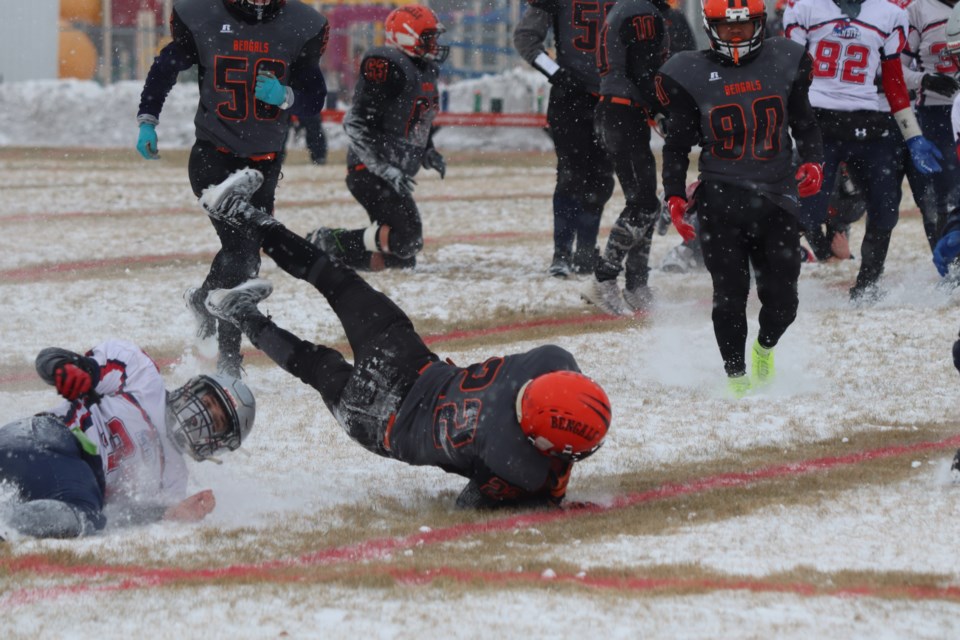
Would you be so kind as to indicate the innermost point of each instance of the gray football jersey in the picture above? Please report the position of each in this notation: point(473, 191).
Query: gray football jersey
point(639, 19)
point(401, 132)
point(744, 137)
point(231, 54)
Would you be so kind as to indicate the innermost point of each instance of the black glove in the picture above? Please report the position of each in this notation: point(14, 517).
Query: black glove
point(401, 182)
point(72, 374)
point(563, 78)
point(941, 83)
point(432, 159)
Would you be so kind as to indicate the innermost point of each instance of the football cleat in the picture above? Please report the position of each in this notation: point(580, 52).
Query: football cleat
point(560, 267)
point(739, 385)
point(325, 239)
point(605, 296)
point(680, 259)
point(955, 467)
point(866, 295)
point(762, 365)
point(585, 260)
point(243, 183)
point(206, 323)
point(639, 298)
point(233, 305)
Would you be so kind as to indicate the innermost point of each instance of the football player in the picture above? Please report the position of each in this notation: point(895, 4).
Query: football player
point(513, 425)
point(117, 441)
point(946, 253)
point(584, 170)
point(634, 42)
point(390, 128)
point(258, 64)
point(933, 75)
point(851, 43)
point(735, 100)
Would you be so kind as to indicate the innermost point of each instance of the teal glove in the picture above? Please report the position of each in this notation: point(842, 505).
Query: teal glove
point(147, 142)
point(269, 89)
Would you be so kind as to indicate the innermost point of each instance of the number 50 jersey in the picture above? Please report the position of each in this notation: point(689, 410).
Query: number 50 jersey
point(739, 114)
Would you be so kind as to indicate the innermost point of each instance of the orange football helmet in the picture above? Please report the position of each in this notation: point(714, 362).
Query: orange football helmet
point(564, 414)
point(415, 30)
point(718, 12)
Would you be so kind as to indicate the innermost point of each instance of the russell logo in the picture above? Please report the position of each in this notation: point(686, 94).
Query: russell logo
point(226, 29)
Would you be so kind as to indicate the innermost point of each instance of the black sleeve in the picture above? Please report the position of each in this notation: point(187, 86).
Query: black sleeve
point(644, 55)
point(803, 121)
point(681, 35)
point(488, 491)
point(52, 358)
point(683, 132)
point(306, 79)
point(383, 81)
point(180, 54)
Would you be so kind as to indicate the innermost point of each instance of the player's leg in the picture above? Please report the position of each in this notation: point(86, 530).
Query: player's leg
point(59, 495)
point(776, 262)
point(595, 168)
point(814, 209)
point(937, 127)
point(873, 165)
point(726, 257)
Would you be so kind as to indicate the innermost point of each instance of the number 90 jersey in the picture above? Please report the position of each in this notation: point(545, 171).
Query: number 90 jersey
point(231, 53)
point(847, 52)
point(741, 111)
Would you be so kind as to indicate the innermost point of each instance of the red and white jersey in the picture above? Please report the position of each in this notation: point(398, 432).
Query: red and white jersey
point(926, 39)
point(847, 52)
point(129, 426)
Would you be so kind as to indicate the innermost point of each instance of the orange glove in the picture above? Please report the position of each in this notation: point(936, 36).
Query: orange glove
point(678, 207)
point(809, 179)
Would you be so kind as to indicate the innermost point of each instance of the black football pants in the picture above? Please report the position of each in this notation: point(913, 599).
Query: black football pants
point(584, 171)
point(239, 257)
point(388, 353)
point(739, 227)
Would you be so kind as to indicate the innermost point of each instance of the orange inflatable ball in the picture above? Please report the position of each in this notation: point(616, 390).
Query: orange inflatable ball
point(81, 11)
point(78, 56)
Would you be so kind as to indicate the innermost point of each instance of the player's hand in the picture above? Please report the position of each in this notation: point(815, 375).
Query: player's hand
point(147, 141)
point(269, 89)
point(678, 209)
point(809, 179)
point(71, 381)
point(946, 251)
point(192, 509)
point(924, 155)
point(401, 182)
point(563, 78)
point(945, 85)
point(432, 159)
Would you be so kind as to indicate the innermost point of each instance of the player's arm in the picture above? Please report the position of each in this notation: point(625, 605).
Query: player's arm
point(179, 55)
point(923, 153)
point(307, 90)
point(126, 512)
point(530, 37)
point(644, 51)
point(73, 375)
point(803, 121)
point(488, 491)
point(683, 132)
point(383, 81)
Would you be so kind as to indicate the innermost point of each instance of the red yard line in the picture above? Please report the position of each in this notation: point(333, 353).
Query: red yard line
point(381, 548)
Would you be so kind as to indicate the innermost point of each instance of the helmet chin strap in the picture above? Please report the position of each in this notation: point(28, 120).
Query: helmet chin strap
point(849, 8)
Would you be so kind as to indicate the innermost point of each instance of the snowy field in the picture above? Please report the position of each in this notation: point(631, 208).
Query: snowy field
point(820, 507)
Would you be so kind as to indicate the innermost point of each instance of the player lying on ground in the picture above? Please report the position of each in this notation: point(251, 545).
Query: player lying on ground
point(116, 445)
point(514, 425)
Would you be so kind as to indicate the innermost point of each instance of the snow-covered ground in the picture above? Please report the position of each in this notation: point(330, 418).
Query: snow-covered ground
point(99, 245)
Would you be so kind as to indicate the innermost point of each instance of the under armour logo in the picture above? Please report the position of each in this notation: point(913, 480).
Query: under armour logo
point(226, 29)
point(714, 75)
point(860, 133)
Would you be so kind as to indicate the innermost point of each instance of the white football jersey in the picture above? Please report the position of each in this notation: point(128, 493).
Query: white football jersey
point(847, 52)
point(128, 425)
point(926, 39)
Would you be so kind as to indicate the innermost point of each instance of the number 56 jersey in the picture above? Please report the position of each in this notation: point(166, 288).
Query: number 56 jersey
point(739, 115)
